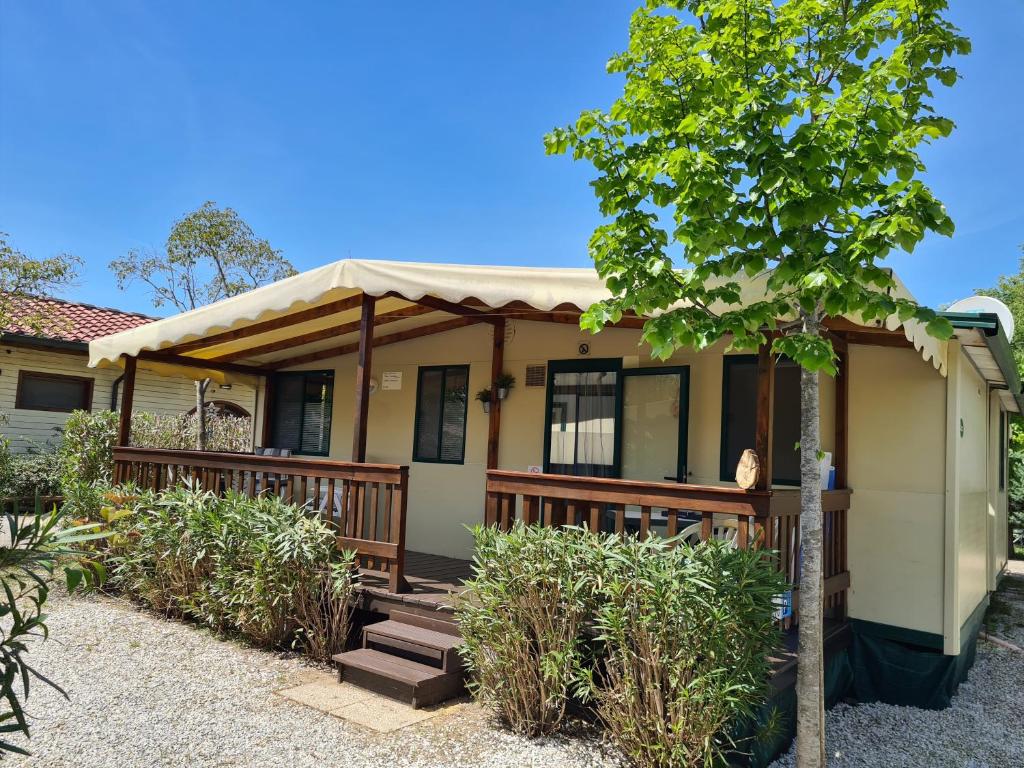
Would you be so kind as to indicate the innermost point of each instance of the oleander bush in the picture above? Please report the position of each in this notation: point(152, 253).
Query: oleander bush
point(258, 567)
point(669, 645)
point(224, 432)
point(23, 475)
point(523, 616)
point(687, 633)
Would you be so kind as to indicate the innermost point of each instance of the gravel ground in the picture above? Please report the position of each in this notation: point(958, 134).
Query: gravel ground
point(148, 692)
point(984, 727)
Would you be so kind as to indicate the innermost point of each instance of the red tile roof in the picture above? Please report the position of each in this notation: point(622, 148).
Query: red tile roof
point(71, 321)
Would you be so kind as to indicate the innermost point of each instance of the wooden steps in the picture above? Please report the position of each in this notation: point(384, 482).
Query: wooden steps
point(407, 657)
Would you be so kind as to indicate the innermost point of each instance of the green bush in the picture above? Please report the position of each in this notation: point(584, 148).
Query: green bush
point(523, 618)
point(87, 448)
point(687, 633)
point(260, 567)
point(224, 432)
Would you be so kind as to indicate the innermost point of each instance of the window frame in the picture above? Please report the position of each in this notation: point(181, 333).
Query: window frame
point(724, 473)
point(584, 365)
point(683, 444)
point(464, 367)
point(19, 398)
point(302, 417)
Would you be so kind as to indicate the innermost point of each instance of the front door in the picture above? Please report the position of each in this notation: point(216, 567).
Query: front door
point(654, 423)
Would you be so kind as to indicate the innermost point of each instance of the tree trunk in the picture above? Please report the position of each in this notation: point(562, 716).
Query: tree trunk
point(201, 414)
point(810, 685)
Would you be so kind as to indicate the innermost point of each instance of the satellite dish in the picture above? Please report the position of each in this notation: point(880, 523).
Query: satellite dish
point(991, 306)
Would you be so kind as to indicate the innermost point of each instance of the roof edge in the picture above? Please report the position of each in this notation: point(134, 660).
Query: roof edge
point(997, 343)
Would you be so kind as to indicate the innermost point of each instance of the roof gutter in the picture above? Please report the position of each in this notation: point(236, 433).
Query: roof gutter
point(995, 339)
point(44, 342)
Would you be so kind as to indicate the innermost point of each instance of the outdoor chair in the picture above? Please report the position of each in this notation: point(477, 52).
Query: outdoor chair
point(725, 530)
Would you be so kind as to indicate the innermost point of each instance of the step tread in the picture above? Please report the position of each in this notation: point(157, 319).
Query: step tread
point(416, 635)
point(391, 667)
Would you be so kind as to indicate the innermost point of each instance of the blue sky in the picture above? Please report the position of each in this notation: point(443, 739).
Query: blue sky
point(400, 131)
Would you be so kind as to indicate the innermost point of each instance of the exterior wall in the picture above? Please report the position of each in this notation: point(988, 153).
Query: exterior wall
point(30, 428)
point(444, 499)
point(973, 430)
point(897, 452)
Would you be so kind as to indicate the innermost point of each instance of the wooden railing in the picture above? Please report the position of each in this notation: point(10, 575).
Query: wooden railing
point(769, 518)
point(365, 503)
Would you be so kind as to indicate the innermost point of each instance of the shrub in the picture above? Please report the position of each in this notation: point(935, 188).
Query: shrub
point(523, 617)
point(87, 448)
point(260, 567)
point(224, 432)
point(687, 632)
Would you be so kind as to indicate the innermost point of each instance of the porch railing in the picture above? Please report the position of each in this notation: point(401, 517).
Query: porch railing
point(365, 503)
point(769, 518)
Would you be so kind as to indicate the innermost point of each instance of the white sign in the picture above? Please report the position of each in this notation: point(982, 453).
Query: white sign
point(392, 380)
point(533, 469)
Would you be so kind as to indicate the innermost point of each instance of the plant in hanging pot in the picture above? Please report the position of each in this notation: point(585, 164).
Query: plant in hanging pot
point(504, 383)
point(484, 396)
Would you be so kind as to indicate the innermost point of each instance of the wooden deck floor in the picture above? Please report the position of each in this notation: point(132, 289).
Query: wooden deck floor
point(434, 580)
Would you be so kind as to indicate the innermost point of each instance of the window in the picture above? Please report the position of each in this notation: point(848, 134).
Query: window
point(441, 402)
point(53, 392)
point(301, 412)
point(739, 416)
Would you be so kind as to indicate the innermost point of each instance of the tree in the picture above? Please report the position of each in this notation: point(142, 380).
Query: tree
point(23, 278)
point(1009, 289)
point(210, 254)
point(774, 139)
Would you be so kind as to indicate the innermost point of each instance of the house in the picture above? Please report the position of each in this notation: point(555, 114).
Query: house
point(44, 373)
point(370, 370)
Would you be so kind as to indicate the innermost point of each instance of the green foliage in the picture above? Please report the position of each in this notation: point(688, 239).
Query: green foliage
point(523, 618)
point(688, 632)
point(35, 548)
point(210, 254)
point(224, 432)
point(769, 140)
point(671, 643)
point(1010, 290)
point(87, 448)
point(22, 277)
point(260, 567)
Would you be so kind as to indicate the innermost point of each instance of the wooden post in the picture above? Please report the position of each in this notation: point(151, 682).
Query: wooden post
point(268, 399)
point(841, 457)
point(124, 428)
point(494, 423)
point(363, 368)
point(765, 415)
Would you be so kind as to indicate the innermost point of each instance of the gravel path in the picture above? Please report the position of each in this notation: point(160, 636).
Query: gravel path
point(149, 692)
point(984, 727)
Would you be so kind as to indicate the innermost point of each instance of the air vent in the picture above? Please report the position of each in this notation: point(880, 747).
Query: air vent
point(535, 375)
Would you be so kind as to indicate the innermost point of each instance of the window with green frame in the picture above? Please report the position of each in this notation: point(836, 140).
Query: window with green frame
point(300, 414)
point(442, 398)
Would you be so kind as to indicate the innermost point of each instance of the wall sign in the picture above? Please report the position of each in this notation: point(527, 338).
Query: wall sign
point(391, 380)
point(584, 348)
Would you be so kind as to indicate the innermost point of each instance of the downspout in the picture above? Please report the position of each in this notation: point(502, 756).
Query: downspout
point(114, 391)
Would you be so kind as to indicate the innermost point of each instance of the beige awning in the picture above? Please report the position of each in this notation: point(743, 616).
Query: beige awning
point(256, 328)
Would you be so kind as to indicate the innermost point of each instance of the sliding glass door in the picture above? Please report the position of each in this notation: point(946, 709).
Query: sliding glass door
point(583, 410)
point(654, 423)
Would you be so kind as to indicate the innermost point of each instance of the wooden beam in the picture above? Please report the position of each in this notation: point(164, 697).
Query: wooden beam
point(494, 422)
point(124, 426)
point(268, 401)
point(566, 317)
point(447, 306)
point(195, 362)
point(305, 315)
point(764, 419)
point(324, 333)
point(391, 338)
point(363, 370)
point(840, 457)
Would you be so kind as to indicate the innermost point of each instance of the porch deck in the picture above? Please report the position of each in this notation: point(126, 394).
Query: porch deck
point(433, 581)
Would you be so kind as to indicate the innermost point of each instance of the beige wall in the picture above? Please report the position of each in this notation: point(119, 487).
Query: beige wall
point(897, 453)
point(29, 428)
point(444, 499)
point(973, 470)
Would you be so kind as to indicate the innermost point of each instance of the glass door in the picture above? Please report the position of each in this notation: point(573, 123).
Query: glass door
point(655, 410)
point(583, 409)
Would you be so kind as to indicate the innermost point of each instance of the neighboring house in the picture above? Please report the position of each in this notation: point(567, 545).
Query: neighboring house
point(373, 368)
point(44, 375)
